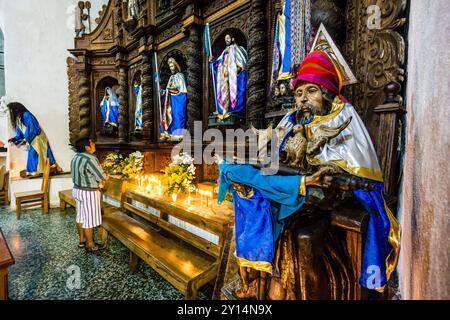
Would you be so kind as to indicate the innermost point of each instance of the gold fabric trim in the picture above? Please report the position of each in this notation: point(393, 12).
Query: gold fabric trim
point(40, 144)
point(256, 265)
point(303, 186)
point(358, 171)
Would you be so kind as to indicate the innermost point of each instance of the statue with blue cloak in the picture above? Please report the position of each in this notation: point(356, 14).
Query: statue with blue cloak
point(109, 108)
point(138, 124)
point(30, 133)
point(265, 204)
point(173, 113)
point(230, 79)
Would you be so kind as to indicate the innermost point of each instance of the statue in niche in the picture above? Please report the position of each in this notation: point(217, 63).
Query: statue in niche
point(138, 124)
point(133, 9)
point(173, 113)
point(286, 98)
point(306, 262)
point(230, 79)
point(109, 108)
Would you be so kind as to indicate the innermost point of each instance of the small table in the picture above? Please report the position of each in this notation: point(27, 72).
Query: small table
point(6, 260)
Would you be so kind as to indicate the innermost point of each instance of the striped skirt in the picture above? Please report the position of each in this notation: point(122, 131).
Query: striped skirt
point(89, 208)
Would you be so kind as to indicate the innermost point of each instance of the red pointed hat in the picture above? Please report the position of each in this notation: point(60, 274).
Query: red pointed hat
point(319, 69)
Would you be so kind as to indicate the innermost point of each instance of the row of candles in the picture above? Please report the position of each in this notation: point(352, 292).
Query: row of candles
point(149, 184)
point(152, 185)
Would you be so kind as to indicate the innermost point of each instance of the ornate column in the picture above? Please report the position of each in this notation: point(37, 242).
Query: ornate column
point(123, 105)
point(194, 80)
point(390, 113)
point(192, 26)
point(84, 98)
point(147, 97)
point(257, 54)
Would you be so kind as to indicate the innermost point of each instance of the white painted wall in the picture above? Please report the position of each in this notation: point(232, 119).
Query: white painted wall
point(37, 35)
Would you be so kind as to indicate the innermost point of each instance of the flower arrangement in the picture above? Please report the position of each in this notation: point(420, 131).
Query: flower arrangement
point(129, 167)
point(133, 165)
point(180, 174)
point(112, 163)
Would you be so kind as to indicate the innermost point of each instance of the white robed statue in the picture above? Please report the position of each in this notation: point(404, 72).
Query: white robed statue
point(230, 76)
point(173, 113)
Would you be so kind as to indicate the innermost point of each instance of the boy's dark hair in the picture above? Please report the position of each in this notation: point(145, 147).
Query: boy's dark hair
point(81, 144)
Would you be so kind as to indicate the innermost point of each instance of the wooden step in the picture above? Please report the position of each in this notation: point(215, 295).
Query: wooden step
point(184, 266)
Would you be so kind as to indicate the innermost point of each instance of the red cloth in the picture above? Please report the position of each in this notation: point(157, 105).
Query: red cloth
point(318, 68)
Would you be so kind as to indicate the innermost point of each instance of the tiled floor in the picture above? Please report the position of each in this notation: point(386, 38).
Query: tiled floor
point(46, 253)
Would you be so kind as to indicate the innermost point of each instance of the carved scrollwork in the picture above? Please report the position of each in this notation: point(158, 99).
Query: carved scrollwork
point(74, 128)
point(84, 98)
point(240, 22)
point(101, 13)
point(123, 105)
point(215, 6)
point(147, 97)
point(376, 54)
point(194, 79)
point(257, 52)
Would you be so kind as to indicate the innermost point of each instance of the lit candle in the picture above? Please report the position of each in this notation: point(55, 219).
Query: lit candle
point(189, 200)
point(174, 197)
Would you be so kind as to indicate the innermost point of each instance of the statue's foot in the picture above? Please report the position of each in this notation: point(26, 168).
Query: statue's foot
point(246, 293)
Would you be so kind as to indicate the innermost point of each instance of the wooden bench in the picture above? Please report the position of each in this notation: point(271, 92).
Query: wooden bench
point(111, 197)
point(6, 260)
point(184, 245)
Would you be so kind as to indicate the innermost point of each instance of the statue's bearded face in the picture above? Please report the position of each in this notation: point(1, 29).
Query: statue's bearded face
point(229, 40)
point(310, 100)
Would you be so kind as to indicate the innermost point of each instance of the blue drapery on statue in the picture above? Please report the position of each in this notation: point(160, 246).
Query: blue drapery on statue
point(38, 146)
point(241, 91)
point(110, 108)
point(138, 125)
point(259, 218)
point(374, 273)
point(173, 114)
point(178, 104)
point(230, 80)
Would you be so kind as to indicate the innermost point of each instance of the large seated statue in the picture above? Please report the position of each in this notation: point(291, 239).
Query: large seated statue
point(282, 221)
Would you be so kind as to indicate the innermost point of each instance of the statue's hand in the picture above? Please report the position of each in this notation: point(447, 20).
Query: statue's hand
point(321, 178)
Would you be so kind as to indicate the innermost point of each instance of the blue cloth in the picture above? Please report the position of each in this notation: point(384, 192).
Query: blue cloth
point(259, 220)
point(112, 114)
point(241, 90)
point(179, 108)
point(377, 247)
point(32, 130)
point(138, 114)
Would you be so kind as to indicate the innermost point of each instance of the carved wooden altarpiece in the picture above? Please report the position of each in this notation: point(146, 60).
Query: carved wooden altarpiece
point(123, 49)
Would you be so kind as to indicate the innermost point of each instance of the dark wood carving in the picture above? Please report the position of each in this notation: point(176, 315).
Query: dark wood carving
point(257, 52)
point(377, 55)
point(215, 6)
point(84, 98)
point(123, 106)
point(147, 98)
point(194, 79)
point(74, 123)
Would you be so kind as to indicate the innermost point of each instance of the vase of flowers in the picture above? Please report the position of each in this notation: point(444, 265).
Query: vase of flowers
point(116, 165)
point(132, 165)
point(112, 164)
point(180, 175)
